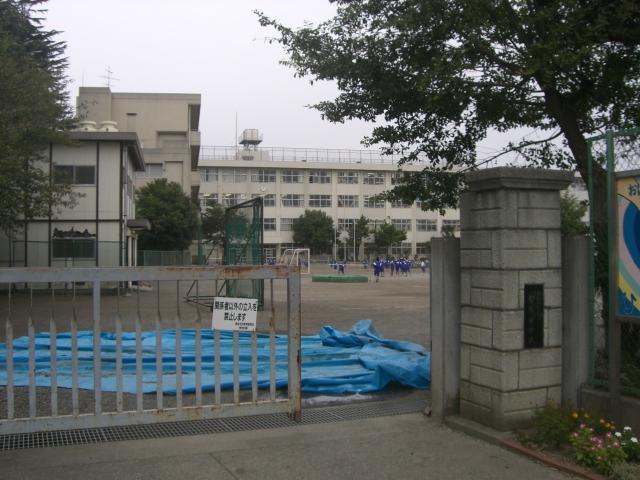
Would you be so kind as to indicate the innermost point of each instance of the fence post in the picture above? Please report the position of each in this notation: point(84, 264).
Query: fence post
point(445, 326)
point(575, 317)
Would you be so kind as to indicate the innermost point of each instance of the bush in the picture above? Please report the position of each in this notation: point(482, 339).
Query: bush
point(552, 426)
point(630, 444)
point(599, 452)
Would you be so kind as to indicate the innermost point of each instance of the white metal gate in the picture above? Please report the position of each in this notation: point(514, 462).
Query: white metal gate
point(23, 282)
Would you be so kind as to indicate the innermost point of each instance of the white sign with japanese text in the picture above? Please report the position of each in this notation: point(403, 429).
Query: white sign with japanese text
point(236, 314)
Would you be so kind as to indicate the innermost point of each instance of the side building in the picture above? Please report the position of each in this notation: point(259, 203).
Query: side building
point(101, 230)
point(342, 183)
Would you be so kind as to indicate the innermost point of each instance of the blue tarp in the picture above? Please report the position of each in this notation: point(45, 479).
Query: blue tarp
point(333, 362)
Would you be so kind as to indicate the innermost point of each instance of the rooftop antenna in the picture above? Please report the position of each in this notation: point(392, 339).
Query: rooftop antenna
point(109, 77)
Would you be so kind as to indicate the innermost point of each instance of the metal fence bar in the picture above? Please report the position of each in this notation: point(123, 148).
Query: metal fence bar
point(53, 355)
point(236, 368)
point(294, 327)
point(178, 349)
point(158, 325)
point(75, 404)
point(9, 343)
point(97, 368)
point(119, 386)
point(254, 366)
point(216, 355)
point(198, 349)
point(272, 347)
point(32, 358)
point(138, 327)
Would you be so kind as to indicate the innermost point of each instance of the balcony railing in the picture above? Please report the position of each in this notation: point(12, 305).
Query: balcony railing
point(286, 154)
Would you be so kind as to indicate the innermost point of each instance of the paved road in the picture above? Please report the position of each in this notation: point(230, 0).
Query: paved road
point(398, 447)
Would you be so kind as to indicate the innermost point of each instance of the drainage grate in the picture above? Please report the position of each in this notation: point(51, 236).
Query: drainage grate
point(199, 427)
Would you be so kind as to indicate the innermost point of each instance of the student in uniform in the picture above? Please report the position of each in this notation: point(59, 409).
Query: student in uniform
point(377, 268)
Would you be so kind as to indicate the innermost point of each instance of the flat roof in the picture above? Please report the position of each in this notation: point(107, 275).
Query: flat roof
point(131, 138)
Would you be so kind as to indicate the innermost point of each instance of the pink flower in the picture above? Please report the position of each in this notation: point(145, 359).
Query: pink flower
point(608, 434)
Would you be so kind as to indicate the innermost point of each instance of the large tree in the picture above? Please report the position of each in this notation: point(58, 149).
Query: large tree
point(173, 216)
point(386, 236)
point(314, 230)
point(34, 112)
point(361, 231)
point(442, 74)
point(213, 225)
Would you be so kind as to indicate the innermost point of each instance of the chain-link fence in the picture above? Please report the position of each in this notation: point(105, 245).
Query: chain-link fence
point(614, 192)
point(161, 258)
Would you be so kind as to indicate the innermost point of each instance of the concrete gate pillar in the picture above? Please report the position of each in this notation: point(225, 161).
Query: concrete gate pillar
point(511, 294)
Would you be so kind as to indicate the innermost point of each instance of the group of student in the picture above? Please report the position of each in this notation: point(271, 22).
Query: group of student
point(399, 266)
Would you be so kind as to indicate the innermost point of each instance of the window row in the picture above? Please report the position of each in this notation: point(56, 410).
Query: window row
point(268, 175)
point(422, 225)
point(297, 200)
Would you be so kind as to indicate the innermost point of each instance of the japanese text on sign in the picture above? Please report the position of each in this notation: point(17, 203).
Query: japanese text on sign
point(236, 314)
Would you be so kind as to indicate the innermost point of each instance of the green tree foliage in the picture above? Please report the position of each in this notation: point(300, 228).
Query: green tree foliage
point(172, 214)
point(314, 230)
point(361, 231)
point(444, 73)
point(34, 112)
point(572, 212)
point(386, 236)
point(213, 225)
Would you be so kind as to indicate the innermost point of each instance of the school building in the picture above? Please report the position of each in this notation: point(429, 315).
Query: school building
point(342, 183)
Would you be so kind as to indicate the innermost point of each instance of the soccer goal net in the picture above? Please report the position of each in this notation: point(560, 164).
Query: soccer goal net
point(297, 256)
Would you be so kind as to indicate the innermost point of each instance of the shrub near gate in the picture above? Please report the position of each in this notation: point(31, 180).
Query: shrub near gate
point(599, 452)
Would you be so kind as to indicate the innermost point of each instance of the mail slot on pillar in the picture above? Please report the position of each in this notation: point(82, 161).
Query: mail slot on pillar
point(533, 315)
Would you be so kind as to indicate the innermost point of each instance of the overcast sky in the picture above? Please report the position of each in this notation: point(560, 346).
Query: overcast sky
point(212, 47)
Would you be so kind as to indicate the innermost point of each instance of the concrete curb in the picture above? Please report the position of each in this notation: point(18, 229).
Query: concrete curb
point(506, 440)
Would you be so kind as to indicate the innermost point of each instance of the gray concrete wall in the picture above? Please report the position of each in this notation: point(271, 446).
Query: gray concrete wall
point(599, 402)
point(510, 236)
point(445, 326)
point(575, 317)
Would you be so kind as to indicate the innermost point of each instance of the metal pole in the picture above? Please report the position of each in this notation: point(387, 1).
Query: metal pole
point(614, 325)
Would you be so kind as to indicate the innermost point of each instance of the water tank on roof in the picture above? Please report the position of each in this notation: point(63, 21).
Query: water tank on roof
point(108, 126)
point(250, 137)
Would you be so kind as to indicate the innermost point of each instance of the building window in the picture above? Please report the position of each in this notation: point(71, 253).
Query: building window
point(396, 178)
point(286, 224)
point(151, 170)
point(231, 199)
point(348, 177)
point(319, 176)
point(421, 249)
point(346, 224)
point(269, 224)
point(234, 175)
point(208, 174)
point(347, 200)
point(373, 178)
point(399, 204)
point(292, 200)
point(450, 224)
point(291, 176)
point(423, 225)
point(374, 225)
point(320, 200)
point(264, 176)
point(207, 200)
point(267, 200)
point(402, 250)
point(74, 174)
point(402, 224)
point(73, 248)
point(370, 201)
